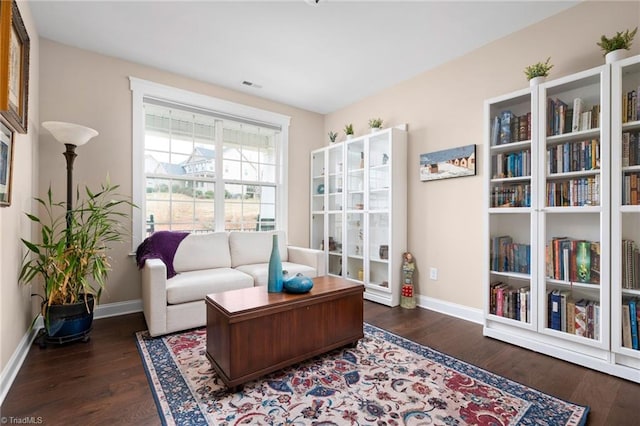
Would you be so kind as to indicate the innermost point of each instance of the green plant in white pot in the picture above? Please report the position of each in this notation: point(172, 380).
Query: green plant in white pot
point(538, 72)
point(615, 48)
point(71, 263)
point(375, 124)
point(348, 130)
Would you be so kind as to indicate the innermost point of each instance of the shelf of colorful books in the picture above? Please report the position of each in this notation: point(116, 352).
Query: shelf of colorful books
point(510, 300)
point(574, 314)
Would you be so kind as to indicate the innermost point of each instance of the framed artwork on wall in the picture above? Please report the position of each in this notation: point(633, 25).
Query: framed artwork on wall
point(14, 66)
point(6, 161)
point(448, 163)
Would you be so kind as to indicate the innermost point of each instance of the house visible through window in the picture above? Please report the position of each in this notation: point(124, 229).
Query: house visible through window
point(206, 170)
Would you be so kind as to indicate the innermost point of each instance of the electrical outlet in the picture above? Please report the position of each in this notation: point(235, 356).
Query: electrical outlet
point(433, 273)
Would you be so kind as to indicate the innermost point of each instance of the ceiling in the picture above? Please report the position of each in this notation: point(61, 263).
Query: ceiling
point(319, 58)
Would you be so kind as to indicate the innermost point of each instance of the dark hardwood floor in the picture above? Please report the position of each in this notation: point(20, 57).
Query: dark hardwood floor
point(102, 382)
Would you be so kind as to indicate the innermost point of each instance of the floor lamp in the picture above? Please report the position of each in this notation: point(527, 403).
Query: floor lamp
point(72, 136)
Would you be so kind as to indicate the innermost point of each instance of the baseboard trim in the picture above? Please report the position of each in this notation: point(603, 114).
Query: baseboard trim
point(117, 308)
point(12, 368)
point(451, 309)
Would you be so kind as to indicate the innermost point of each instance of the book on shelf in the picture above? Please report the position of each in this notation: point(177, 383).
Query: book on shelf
point(594, 252)
point(630, 107)
point(581, 318)
point(626, 326)
point(633, 323)
point(583, 261)
point(564, 297)
point(505, 127)
point(577, 113)
point(556, 315)
point(495, 131)
point(630, 265)
point(571, 316)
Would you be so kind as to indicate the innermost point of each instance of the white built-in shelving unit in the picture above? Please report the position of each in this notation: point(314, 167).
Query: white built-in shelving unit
point(359, 210)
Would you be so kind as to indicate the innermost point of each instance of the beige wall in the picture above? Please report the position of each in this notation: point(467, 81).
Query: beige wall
point(93, 90)
point(15, 301)
point(444, 109)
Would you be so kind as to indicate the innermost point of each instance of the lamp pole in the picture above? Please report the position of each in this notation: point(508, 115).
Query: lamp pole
point(69, 155)
point(71, 135)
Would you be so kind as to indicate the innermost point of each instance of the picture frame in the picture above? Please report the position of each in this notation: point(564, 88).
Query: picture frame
point(6, 164)
point(448, 163)
point(14, 67)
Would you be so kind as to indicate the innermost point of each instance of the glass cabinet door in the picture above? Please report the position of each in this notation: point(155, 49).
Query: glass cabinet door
point(355, 175)
point(355, 247)
point(317, 198)
point(317, 180)
point(378, 160)
point(335, 241)
point(335, 178)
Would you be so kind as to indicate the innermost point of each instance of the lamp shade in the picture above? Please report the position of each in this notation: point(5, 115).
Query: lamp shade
point(69, 133)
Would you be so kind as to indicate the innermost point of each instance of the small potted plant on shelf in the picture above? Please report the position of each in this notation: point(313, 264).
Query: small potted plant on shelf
point(70, 259)
point(538, 72)
point(348, 130)
point(615, 48)
point(375, 124)
point(332, 136)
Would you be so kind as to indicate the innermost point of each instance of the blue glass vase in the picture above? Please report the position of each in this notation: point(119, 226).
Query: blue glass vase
point(274, 282)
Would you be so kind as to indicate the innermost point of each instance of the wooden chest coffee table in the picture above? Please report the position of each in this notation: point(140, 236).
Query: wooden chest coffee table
point(251, 332)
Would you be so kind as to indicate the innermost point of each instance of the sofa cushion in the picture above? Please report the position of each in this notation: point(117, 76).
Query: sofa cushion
point(203, 251)
point(260, 271)
point(255, 247)
point(195, 285)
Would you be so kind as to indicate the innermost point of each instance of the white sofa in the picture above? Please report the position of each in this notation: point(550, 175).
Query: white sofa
point(212, 263)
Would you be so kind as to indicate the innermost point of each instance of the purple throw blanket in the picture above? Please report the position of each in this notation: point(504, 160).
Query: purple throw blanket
point(160, 245)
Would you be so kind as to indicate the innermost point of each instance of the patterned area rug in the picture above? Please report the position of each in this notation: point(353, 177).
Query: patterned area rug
point(384, 380)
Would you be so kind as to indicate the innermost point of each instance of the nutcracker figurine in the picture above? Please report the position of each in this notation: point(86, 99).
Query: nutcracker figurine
point(407, 295)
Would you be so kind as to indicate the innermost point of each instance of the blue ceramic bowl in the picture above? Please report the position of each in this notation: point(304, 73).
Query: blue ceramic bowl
point(297, 284)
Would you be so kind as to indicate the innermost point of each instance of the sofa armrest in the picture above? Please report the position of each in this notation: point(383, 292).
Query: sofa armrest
point(309, 257)
point(154, 296)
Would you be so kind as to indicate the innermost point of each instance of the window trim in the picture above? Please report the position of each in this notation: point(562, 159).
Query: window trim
point(143, 88)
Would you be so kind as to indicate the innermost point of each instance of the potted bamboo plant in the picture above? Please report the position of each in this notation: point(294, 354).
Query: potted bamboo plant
point(70, 262)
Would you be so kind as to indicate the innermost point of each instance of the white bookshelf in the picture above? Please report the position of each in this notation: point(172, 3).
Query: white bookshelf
point(576, 189)
point(363, 211)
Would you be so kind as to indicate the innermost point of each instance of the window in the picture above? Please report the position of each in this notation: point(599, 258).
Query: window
point(201, 164)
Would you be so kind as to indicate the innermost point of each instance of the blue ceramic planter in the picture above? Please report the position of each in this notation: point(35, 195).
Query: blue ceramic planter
point(298, 284)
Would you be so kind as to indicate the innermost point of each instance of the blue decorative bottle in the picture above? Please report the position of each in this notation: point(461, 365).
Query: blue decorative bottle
point(274, 283)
